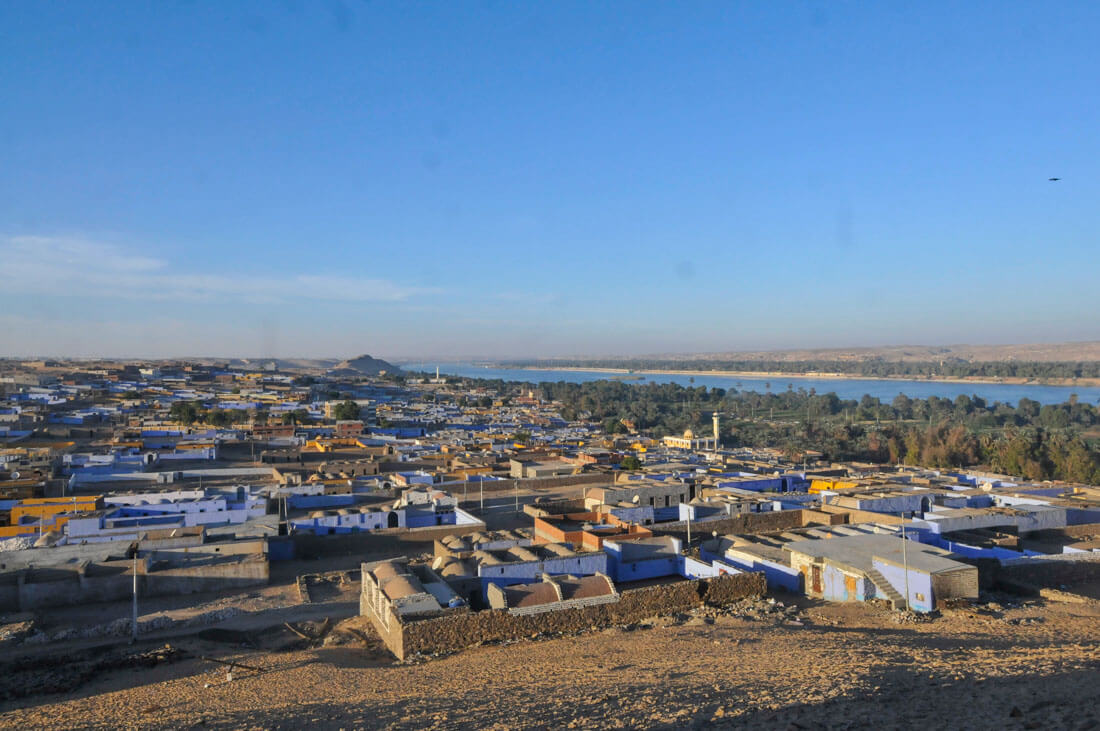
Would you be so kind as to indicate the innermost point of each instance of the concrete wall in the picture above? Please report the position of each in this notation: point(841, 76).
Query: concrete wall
point(1025, 520)
point(646, 569)
point(921, 598)
point(844, 586)
point(690, 568)
point(44, 588)
point(778, 576)
point(523, 572)
point(388, 543)
point(207, 577)
point(641, 560)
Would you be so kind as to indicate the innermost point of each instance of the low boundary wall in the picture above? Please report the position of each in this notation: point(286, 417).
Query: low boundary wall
point(384, 543)
point(769, 522)
point(463, 628)
point(1049, 572)
point(528, 483)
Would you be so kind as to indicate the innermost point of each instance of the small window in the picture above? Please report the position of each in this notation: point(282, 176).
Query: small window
point(920, 597)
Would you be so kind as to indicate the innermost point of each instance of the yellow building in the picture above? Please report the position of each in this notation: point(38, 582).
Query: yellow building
point(820, 484)
point(690, 441)
point(43, 525)
point(47, 506)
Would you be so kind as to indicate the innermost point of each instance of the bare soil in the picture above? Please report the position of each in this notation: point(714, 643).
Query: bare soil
point(1003, 664)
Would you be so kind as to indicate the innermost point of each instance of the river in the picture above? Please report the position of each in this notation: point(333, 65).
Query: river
point(845, 388)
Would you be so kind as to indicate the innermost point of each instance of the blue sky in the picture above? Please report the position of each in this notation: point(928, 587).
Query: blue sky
point(519, 179)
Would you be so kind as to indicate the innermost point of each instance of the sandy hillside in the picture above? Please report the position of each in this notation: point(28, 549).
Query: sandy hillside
point(1001, 665)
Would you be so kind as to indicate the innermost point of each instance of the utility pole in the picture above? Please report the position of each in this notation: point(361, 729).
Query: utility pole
point(134, 617)
point(905, 560)
point(688, 516)
point(481, 487)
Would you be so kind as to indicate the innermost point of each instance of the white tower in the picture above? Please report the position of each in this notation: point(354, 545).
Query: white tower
point(716, 442)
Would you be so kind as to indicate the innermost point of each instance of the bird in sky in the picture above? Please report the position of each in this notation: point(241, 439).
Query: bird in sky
point(1054, 180)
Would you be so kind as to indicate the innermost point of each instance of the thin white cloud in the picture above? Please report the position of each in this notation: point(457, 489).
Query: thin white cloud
point(46, 265)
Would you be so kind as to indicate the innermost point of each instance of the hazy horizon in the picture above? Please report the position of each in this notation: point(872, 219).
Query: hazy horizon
point(466, 357)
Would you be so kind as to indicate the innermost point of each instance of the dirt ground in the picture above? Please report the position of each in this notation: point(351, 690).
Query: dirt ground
point(1001, 664)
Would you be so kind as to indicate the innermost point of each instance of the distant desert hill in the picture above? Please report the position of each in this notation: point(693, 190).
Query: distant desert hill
point(1045, 352)
point(363, 365)
point(285, 364)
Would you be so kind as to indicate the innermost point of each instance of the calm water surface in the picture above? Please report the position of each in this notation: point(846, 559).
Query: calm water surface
point(845, 388)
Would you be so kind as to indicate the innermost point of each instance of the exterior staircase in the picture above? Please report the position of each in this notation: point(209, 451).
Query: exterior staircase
point(895, 597)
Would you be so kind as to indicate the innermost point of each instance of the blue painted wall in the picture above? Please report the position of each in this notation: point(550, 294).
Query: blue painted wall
point(529, 571)
point(920, 585)
point(777, 575)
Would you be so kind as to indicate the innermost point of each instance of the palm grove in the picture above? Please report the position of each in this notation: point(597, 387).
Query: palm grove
point(1057, 441)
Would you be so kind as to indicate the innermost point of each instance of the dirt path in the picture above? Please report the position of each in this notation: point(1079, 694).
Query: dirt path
point(849, 666)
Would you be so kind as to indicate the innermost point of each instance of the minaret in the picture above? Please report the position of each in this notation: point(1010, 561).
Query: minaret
point(716, 442)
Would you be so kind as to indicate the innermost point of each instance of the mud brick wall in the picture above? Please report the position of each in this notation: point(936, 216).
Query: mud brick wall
point(458, 631)
point(730, 588)
point(1052, 572)
point(769, 522)
point(1084, 530)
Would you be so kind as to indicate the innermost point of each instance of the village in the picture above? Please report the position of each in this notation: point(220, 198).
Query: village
point(431, 517)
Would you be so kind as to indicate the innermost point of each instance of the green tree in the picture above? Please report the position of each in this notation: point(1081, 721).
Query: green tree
point(346, 411)
point(297, 416)
point(611, 425)
point(185, 412)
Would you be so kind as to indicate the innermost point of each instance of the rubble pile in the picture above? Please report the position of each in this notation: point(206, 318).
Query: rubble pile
point(64, 673)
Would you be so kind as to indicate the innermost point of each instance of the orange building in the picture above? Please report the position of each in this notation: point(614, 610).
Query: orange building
point(586, 530)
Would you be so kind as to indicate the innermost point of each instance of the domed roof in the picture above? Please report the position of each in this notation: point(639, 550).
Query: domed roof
point(689, 434)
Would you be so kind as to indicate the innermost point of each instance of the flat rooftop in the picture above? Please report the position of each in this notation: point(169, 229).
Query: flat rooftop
point(859, 550)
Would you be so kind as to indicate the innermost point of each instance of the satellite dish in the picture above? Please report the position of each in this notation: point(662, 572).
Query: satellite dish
point(15, 475)
point(635, 499)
